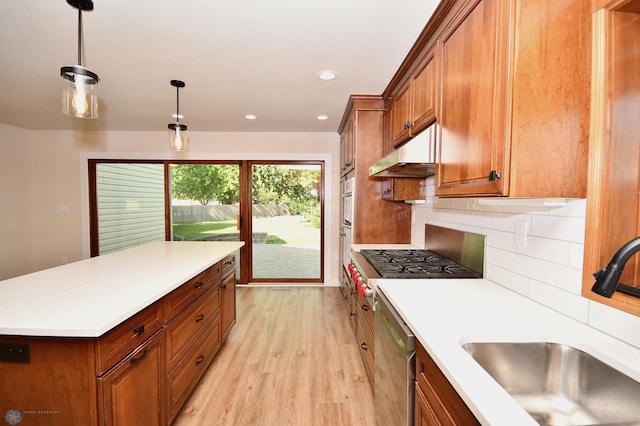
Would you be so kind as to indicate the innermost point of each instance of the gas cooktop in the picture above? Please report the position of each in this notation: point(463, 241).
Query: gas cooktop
point(415, 263)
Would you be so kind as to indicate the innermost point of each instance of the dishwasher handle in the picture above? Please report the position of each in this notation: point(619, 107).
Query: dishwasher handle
point(396, 325)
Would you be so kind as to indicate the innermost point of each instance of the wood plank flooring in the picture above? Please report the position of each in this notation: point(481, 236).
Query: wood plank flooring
point(291, 359)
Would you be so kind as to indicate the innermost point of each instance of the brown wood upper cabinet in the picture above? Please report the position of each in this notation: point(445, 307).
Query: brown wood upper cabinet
point(413, 107)
point(347, 149)
point(513, 95)
point(613, 202)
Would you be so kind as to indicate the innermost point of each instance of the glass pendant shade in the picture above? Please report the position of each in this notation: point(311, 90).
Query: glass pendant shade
point(178, 137)
point(79, 94)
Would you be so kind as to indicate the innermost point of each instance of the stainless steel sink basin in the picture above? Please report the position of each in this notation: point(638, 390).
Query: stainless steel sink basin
point(560, 385)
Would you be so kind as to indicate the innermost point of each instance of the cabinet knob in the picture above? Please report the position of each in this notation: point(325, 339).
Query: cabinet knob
point(138, 330)
point(493, 175)
point(364, 307)
point(199, 284)
point(364, 346)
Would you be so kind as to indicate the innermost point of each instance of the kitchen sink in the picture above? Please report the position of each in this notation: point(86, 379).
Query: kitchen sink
point(560, 385)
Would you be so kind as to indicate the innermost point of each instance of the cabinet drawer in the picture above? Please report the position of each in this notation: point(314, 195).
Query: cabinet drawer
point(181, 297)
point(189, 370)
point(187, 327)
point(123, 338)
point(365, 337)
point(228, 264)
point(365, 311)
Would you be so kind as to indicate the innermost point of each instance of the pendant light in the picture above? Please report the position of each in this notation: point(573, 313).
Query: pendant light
point(79, 97)
point(178, 139)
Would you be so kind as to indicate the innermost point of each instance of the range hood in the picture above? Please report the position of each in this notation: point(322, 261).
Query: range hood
point(415, 158)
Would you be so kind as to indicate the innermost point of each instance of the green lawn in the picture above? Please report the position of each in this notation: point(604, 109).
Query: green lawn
point(190, 230)
point(279, 229)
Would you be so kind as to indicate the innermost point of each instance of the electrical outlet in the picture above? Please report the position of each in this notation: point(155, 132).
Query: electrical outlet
point(522, 230)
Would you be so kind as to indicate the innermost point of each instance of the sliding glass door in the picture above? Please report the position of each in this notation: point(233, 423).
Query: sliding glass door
point(286, 223)
point(275, 207)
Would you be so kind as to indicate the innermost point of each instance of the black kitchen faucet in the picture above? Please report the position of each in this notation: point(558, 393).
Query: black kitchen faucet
point(607, 278)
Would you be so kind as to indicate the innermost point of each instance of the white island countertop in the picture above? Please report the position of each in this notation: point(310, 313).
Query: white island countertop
point(447, 313)
point(89, 297)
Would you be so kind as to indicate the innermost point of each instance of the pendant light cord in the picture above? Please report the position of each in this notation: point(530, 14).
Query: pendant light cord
point(177, 104)
point(80, 35)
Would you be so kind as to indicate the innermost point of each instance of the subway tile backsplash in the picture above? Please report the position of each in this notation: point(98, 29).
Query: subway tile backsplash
point(546, 266)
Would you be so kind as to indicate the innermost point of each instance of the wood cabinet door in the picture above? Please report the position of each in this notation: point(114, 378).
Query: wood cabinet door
point(228, 286)
point(132, 392)
point(424, 94)
point(347, 149)
point(423, 414)
point(400, 115)
point(471, 110)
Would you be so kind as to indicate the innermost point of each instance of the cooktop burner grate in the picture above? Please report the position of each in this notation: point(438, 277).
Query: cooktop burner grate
point(410, 263)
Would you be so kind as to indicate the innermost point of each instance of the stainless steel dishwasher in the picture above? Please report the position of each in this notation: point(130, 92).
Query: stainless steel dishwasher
point(395, 366)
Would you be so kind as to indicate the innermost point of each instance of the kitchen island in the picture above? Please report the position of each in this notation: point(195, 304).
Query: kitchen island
point(122, 337)
point(444, 314)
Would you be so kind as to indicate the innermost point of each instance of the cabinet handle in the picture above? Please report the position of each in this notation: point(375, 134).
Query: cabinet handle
point(228, 262)
point(138, 330)
point(364, 307)
point(493, 175)
point(200, 360)
point(199, 284)
point(364, 346)
point(199, 317)
point(223, 286)
point(136, 359)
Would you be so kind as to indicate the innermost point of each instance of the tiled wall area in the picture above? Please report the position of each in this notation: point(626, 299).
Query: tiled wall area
point(546, 266)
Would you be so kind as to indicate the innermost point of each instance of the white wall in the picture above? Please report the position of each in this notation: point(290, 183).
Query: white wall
point(548, 269)
point(52, 171)
point(16, 202)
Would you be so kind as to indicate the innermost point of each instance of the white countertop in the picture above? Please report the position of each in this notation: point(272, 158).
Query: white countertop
point(446, 313)
point(90, 297)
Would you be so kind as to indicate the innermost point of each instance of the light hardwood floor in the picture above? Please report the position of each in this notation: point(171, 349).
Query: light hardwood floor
point(291, 359)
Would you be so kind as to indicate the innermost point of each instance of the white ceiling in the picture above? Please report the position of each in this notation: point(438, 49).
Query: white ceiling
point(236, 57)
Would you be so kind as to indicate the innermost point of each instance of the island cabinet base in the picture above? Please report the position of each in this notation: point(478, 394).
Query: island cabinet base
point(141, 372)
point(51, 387)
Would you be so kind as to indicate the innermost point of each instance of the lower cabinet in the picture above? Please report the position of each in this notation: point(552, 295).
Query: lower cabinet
point(141, 372)
point(365, 335)
point(131, 393)
point(436, 401)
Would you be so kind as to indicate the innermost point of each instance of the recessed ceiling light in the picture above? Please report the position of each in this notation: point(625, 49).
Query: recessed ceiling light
point(327, 75)
point(323, 117)
point(250, 117)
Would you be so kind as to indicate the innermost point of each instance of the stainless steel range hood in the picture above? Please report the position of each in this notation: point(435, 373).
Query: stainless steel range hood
point(415, 158)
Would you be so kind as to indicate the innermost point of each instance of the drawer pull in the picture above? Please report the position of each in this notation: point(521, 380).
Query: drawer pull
point(200, 360)
point(199, 284)
point(138, 330)
point(199, 317)
point(364, 307)
point(223, 286)
point(228, 262)
point(134, 360)
point(364, 346)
